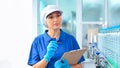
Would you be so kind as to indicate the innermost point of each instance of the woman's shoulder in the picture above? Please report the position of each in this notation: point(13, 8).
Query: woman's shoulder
point(68, 35)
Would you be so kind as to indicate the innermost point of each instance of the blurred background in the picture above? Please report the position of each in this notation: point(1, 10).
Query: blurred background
point(17, 31)
point(89, 21)
point(96, 26)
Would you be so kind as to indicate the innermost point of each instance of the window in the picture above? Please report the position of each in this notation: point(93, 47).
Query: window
point(113, 12)
point(69, 15)
point(93, 10)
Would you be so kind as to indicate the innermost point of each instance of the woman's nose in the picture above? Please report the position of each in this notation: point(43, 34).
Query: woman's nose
point(55, 18)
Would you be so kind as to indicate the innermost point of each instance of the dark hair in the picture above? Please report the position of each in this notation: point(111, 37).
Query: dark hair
point(58, 12)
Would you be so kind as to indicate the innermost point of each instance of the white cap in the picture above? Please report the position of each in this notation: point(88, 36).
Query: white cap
point(46, 11)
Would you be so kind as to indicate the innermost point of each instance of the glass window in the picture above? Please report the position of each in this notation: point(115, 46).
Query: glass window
point(69, 15)
point(93, 10)
point(113, 12)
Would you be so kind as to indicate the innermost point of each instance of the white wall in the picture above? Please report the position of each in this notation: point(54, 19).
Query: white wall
point(17, 31)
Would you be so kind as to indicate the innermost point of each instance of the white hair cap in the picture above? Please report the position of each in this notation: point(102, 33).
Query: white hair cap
point(46, 11)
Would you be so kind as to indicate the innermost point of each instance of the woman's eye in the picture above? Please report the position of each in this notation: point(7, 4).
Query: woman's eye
point(58, 15)
point(50, 17)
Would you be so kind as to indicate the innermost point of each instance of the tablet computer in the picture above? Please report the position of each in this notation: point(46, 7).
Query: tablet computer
point(74, 56)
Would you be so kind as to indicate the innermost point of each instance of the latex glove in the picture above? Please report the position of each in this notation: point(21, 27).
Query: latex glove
point(62, 64)
point(51, 48)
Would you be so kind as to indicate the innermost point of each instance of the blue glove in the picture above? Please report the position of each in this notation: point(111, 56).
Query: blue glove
point(51, 48)
point(62, 64)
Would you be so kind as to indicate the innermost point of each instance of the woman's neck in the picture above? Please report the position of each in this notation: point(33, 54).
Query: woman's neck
point(54, 33)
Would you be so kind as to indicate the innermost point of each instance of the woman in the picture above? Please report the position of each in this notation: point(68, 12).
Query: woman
point(48, 48)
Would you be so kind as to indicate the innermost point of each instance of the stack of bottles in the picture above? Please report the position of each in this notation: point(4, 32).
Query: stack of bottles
point(109, 45)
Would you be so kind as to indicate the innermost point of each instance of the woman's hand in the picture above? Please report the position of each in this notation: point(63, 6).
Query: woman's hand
point(62, 64)
point(51, 49)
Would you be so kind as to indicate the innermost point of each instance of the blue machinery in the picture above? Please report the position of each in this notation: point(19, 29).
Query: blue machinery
point(106, 51)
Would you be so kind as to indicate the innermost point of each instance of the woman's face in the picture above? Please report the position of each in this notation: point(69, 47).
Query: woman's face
point(54, 20)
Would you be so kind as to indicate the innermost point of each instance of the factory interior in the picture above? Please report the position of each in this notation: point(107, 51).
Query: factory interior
point(96, 26)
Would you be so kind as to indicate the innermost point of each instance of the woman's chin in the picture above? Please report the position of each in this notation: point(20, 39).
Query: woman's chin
point(56, 28)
